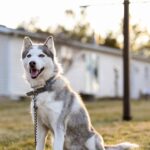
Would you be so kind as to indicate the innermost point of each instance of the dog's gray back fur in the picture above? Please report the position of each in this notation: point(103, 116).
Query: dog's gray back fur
point(77, 124)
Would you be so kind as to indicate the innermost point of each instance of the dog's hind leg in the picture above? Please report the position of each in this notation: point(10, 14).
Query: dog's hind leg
point(95, 143)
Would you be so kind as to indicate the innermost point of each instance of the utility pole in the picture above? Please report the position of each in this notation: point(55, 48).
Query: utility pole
point(126, 64)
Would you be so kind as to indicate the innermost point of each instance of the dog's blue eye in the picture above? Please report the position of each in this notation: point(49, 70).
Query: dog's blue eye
point(41, 55)
point(29, 55)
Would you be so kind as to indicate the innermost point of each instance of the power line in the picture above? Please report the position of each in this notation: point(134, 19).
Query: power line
point(138, 2)
point(98, 3)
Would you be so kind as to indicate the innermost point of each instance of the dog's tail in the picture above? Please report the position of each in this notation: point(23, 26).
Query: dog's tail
point(122, 146)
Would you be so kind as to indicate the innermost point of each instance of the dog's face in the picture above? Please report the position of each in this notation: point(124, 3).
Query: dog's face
point(38, 59)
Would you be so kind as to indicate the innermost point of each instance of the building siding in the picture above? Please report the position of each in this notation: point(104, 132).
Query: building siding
point(93, 70)
point(17, 86)
point(4, 64)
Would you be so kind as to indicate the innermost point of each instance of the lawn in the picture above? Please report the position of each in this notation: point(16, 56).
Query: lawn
point(16, 129)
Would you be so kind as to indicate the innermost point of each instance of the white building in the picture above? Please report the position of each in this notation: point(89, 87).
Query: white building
point(91, 69)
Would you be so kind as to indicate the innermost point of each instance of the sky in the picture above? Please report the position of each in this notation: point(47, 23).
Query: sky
point(103, 15)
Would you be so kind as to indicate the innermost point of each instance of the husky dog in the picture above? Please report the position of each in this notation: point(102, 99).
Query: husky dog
point(60, 108)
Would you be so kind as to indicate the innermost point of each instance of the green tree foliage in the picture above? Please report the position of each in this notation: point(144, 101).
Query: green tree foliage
point(111, 41)
point(138, 37)
point(81, 31)
point(32, 26)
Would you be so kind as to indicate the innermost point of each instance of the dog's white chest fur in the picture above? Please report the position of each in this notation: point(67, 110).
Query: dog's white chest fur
point(49, 109)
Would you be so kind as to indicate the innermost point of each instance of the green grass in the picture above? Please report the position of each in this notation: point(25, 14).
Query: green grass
point(16, 129)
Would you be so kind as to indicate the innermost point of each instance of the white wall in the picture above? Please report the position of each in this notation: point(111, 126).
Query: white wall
point(108, 65)
point(140, 78)
point(77, 74)
point(4, 64)
point(12, 82)
point(17, 86)
point(109, 83)
point(80, 74)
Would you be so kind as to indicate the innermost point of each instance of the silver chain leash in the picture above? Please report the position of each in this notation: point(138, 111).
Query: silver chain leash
point(34, 93)
point(35, 119)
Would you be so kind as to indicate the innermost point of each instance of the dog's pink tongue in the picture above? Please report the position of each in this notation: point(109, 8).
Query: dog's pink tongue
point(34, 73)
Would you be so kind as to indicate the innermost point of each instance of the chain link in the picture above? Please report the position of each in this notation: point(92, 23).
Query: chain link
point(35, 119)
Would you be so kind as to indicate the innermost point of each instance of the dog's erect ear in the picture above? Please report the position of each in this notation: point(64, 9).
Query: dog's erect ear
point(50, 44)
point(27, 43)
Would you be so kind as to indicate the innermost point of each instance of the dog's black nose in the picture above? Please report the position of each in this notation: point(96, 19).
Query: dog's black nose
point(32, 64)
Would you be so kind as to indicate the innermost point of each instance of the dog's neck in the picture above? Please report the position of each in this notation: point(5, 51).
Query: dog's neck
point(54, 83)
point(40, 82)
point(49, 86)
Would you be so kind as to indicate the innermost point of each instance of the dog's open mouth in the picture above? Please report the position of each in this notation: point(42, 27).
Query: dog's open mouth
point(35, 72)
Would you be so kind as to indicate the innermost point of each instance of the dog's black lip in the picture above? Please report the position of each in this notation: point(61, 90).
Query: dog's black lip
point(38, 73)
